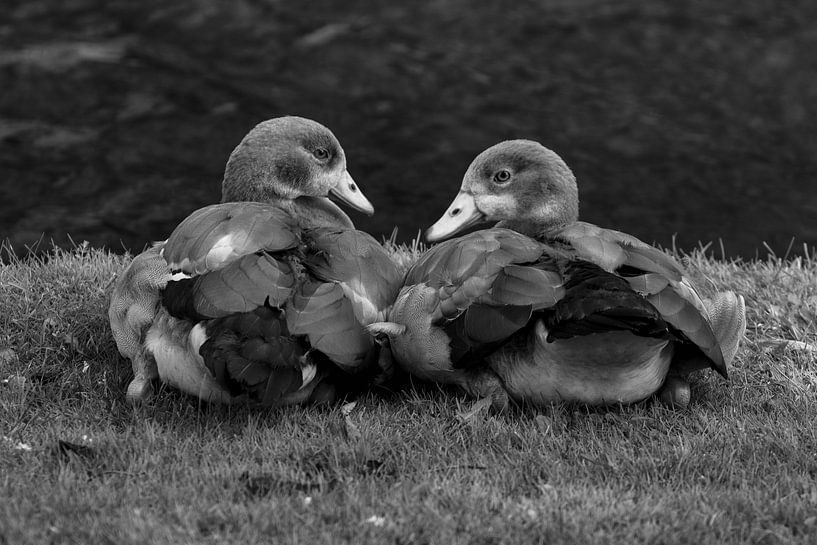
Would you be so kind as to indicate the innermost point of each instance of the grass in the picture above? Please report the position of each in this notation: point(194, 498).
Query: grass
point(78, 465)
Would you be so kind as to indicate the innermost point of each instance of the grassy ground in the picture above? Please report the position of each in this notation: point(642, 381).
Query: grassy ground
point(77, 465)
point(694, 117)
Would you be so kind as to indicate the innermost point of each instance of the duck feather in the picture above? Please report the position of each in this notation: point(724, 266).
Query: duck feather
point(214, 236)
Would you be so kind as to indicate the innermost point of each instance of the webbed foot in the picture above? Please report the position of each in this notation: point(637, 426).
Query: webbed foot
point(486, 384)
point(675, 392)
point(140, 390)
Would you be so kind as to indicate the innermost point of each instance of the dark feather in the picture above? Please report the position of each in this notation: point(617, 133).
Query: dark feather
point(280, 382)
point(596, 301)
point(489, 324)
point(242, 286)
point(482, 329)
point(246, 362)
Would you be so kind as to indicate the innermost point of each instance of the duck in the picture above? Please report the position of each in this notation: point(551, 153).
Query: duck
point(262, 298)
point(543, 308)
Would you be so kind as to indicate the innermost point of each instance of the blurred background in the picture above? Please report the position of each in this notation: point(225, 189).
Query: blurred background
point(693, 121)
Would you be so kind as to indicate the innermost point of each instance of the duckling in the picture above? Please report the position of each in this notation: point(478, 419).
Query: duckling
point(543, 308)
point(263, 297)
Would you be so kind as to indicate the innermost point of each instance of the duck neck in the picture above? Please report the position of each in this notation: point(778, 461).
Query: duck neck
point(310, 212)
point(539, 231)
point(319, 212)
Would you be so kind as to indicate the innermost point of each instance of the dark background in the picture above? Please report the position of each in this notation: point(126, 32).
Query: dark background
point(688, 118)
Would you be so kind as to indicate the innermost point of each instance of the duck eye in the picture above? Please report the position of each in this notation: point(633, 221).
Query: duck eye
point(502, 176)
point(322, 154)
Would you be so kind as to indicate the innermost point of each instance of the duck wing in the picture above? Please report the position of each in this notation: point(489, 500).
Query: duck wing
point(653, 274)
point(253, 354)
point(612, 250)
point(468, 269)
point(278, 307)
point(596, 301)
point(487, 284)
point(215, 236)
point(359, 264)
point(727, 313)
point(234, 268)
point(230, 258)
point(354, 281)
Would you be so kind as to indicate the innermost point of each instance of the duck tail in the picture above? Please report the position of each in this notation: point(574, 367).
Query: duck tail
point(727, 314)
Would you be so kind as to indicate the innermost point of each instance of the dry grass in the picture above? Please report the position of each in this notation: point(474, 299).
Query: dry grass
point(77, 465)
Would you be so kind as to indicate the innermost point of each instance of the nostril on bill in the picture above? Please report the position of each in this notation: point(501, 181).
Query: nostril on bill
point(353, 187)
point(455, 211)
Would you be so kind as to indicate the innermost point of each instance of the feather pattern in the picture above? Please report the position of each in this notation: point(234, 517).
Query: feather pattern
point(215, 236)
point(466, 270)
point(357, 262)
point(243, 285)
point(253, 354)
point(323, 313)
point(482, 254)
point(307, 290)
point(653, 274)
point(525, 285)
point(596, 301)
point(134, 305)
point(611, 249)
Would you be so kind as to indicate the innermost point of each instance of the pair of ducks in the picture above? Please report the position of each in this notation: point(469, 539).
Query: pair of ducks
point(272, 297)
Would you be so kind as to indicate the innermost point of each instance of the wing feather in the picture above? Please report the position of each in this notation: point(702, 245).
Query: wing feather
point(241, 286)
point(486, 285)
point(662, 281)
point(526, 285)
point(481, 253)
point(322, 312)
point(682, 314)
point(355, 260)
point(648, 283)
point(215, 236)
point(611, 249)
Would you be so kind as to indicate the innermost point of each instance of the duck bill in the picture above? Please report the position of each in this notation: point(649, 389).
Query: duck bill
point(461, 214)
point(347, 192)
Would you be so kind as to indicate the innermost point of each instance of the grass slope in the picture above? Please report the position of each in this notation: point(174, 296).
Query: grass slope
point(77, 465)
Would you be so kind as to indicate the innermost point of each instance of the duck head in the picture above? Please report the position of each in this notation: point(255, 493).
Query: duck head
point(519, 183)
point(289, 157)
